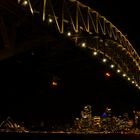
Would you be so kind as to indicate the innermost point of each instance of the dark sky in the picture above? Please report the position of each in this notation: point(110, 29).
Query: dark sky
point(26, 90)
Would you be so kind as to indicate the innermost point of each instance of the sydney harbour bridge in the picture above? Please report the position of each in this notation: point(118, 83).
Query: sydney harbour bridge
point(73, 21)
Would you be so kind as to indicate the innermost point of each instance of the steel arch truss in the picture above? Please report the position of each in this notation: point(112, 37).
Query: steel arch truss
point(88, 29)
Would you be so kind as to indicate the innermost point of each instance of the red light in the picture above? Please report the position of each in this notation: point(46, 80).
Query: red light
point(54, 83)
point(107, 74)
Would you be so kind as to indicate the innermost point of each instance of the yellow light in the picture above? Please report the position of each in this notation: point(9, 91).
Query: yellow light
point(118, 71)
point(128, 79)
point(25, 3)
point(133, 82)
point(112, 66)
point(50, 20)
point(124, 75)
point(83, 45)
point(104, 60)
point(69, 33)
point(94, 53)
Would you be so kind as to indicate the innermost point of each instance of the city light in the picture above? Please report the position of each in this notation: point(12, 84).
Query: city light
point(107, 123)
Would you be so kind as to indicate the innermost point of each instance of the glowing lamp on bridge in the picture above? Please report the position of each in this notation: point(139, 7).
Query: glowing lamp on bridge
point(107, 74)
point(124, 75)
point(54, 83)
point(23, 2)
point(83, 45)
point(69, 34)
point(94, 53)
point(112, 66)
point(128, 79)
point(118, 71)
point(50, 20)
point(104, 60)
point(133, 82)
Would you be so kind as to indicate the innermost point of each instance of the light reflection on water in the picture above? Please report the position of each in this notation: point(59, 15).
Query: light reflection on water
point(20, 136)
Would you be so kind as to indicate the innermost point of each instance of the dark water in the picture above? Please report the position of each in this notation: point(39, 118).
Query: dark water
point(21, 136)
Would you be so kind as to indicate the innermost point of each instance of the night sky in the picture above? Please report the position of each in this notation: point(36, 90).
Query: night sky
point(27, 92)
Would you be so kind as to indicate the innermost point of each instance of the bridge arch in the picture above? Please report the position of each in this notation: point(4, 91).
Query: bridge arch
point(88, 30)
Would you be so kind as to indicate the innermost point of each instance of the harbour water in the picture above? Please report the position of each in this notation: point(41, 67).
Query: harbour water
point(46, 136)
